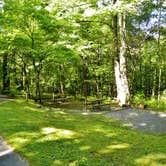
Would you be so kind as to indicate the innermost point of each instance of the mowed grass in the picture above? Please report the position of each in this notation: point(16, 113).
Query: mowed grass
point(53, 138)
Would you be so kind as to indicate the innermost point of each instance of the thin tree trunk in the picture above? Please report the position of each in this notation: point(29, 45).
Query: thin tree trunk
point(159, 84)
point(97, 90)
point(22, 79)
point(62, 88)
point(154, 84)
point(14, 68)
point(5, 77)
point(84, 76)
point(62, 80)
point(53, 92)
point(159, 50)
point(37, 70)
point(38, 92)
point(27, 89)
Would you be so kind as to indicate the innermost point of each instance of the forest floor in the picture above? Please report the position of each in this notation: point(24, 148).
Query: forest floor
point(58, 137)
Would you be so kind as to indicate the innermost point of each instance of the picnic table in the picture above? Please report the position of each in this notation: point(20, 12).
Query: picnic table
point(96, 105)
point(61, 100)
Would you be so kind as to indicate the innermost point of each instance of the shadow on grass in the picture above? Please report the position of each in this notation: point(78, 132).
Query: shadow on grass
point(60, 138)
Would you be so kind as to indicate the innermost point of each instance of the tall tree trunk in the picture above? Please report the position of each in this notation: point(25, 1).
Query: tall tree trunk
point(154, 83)
point(14, 68)
point(84, 77)
point(62, 88)
point(159, 2)
point(62, 79)
point(159, 84)
point(116, 52)
point(125, 95)
point(38, 92)
point(22, 79)
point(26, 82)
point(37, 70)
point(119, 34)
point(5, 77)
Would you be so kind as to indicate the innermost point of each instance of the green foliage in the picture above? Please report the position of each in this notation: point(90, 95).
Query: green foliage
point(163, 96)
point(139, 98)
point(152, 103)
point(156, 105)
point(13, 92)
point(60, 42)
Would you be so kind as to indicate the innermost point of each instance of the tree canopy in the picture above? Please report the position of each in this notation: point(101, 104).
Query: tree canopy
point(111, 48)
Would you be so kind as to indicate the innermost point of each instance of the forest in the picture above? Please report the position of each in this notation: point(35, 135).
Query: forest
point(84, 48)
point(82, 83)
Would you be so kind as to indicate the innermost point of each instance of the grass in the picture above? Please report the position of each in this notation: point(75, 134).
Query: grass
point(60, 138)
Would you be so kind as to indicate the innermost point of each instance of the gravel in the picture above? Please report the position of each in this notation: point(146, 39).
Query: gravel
point(141, 120)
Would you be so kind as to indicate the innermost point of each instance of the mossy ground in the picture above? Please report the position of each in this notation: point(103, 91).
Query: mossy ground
point(57, 137)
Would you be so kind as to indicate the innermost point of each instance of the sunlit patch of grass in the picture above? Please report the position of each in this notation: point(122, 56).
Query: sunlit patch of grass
point(85, 147)
point(55, 133)
point(152, 160)
point(56, 137)
point(30, 108)
point(113, 147)
point(20, 139)
point(58, 162)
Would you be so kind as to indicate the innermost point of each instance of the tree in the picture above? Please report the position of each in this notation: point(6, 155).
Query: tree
point(83, 48)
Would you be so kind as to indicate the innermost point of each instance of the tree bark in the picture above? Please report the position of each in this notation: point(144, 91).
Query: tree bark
point(5, 77)
point(125, 95)
point(119, 46)
point(159, 2)
point(26, 82)
point(38, 92)
point(62, 79)
point(159, 84)
point(154, 83)
point(37, 70)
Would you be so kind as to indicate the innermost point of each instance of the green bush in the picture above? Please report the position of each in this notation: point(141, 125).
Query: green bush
point(139, 98)
point(13, 92)
point(163, 96)
point(152, 103)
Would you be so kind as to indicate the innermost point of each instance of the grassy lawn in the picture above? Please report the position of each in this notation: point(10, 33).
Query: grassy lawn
point(60, 138)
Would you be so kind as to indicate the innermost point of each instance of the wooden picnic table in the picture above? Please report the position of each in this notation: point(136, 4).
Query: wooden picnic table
point(61, 100)
point(95, 105)
point(97, 101)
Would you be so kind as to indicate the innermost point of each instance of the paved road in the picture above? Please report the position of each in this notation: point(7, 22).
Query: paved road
point(141, 120)
point(7, 156)
point(3, 98)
